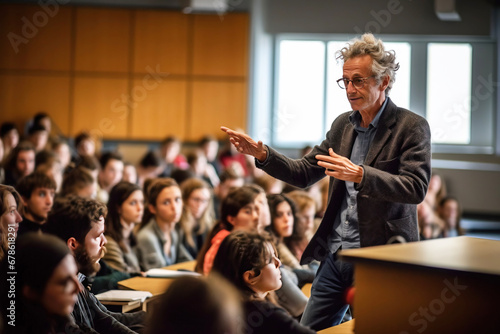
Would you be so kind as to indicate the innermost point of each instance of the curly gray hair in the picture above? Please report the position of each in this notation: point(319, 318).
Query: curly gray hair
point(384, 62)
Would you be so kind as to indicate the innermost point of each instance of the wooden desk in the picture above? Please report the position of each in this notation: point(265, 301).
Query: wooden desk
point(345, 328)
point(438, 286)
point(156, 286)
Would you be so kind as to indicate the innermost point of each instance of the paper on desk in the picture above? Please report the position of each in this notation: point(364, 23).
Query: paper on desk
point(123, 295)
point(166, 273)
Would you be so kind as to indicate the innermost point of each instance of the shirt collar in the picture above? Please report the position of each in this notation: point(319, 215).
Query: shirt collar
point(355, 117)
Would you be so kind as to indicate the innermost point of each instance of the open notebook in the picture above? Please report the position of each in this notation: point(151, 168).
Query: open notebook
point(166, 273)
point(123, 295)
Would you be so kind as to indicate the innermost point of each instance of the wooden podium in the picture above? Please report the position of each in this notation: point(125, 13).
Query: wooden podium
point(438, 286)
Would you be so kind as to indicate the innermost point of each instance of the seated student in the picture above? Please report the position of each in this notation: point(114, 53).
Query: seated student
point(450, 212)
point(249, 261)
point(264, 213)
point(158, 242)
point(37, 191)
point(197, 214)
point(79, 182)
point(10, 136)
point(20, 162)
point(229, 179)
point(110, 174)
point(85, 145)
point(79, 222)
point(218, 308)
point(243, 203)
point(90, 164)
point(10, 205)
point(430, 225)
point(125, 210)
point(209, 146)
point(283, 218)
point(150, 167)
point(282, 221)
point(303, 229)
point(199, 166)
point(38, 136)
point(48, 163)
point(239, 211)
point(129, 173)
point(46, 287)
point(170, 154)
point(41, 118)
point(63, 152)
point(2, 173)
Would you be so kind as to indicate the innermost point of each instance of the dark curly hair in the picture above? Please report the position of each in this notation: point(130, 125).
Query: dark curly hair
point(72, 217)
point(241, 251)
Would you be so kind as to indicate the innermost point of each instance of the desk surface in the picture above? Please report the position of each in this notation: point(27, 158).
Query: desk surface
point(156, 286)
point(345, 328)
point(459, 253)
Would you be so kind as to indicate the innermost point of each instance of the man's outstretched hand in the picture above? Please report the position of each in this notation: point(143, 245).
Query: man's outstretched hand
point(245, 144)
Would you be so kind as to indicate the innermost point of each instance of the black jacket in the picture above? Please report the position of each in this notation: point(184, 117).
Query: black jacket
point(89, 314)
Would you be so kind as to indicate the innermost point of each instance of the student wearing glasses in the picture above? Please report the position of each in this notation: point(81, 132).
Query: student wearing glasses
point(377, 157)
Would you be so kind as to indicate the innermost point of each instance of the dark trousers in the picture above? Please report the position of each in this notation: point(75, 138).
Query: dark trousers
point(326, 306)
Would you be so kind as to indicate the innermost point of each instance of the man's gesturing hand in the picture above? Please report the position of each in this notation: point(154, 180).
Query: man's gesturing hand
point(340, 167)
point(245, 144)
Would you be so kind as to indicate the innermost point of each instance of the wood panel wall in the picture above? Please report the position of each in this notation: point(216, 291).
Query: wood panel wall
point(124, 74)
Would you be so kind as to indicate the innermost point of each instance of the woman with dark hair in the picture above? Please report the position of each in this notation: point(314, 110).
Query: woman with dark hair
point(451, 213)
point(125, 210)
point(159, 244)
point(197, 213)
point(283, 217)
point(250, 262)
point(303, 229)
point(46, 287)
point(10, 205)
point(239, 211)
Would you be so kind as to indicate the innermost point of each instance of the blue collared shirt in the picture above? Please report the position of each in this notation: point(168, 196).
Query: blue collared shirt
point(346, 228)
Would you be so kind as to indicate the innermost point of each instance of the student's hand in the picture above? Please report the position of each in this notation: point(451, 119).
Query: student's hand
point(245, 144)
point(340, 167)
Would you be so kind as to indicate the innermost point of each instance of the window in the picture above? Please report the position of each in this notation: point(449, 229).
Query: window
point(308, 97)
point(301, 88)
point(455, 93)
point(449, 92)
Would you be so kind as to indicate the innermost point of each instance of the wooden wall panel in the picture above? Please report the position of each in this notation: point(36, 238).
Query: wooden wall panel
point(221, 44)
point(215, 104)
point(35, 38)
point(160, 111)
point(82, 61)
point(22, 96)
point(161, 40)
point(98, 108)
point(102, 39)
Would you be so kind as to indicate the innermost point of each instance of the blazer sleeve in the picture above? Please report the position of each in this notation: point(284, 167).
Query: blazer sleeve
point(305, 172)
point(405, 176)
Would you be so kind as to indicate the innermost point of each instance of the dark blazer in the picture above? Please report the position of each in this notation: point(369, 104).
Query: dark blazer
point(397, 169)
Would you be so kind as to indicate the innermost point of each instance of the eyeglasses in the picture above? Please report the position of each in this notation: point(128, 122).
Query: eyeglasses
point(358, 83)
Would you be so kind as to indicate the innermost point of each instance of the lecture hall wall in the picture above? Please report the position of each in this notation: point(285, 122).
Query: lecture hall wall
point(124, 74)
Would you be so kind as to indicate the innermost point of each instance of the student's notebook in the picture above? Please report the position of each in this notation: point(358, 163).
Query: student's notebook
point(123, 296)
point(166, 273)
